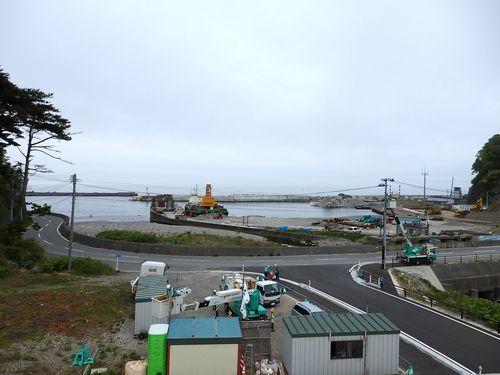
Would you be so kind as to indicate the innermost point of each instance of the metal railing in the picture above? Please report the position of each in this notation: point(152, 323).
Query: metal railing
point(454, 311)
point(467, 258)
point(461, 259)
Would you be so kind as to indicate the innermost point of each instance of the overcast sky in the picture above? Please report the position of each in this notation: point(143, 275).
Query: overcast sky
point(261, 96)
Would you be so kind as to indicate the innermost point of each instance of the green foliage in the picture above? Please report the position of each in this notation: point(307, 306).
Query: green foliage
point(28, 113)
point(40, 210)
point(14, 231)
point(79, 266)
point(184, 239)
point(129, 236)
point(476, 307)
point(10, 103)
point(24, 253)
point(91, 267)
point(487, 309)
point(487, 163)
point(5, 267)
point(351, 236)
point(59, 264)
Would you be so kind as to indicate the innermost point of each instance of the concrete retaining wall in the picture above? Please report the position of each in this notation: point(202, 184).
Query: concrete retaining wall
point(479, 277)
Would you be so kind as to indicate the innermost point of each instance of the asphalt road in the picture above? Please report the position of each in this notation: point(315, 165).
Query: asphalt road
point(328, 273)
point(458, 341)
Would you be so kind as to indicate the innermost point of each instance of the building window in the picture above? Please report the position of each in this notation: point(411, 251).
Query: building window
point(346, 349)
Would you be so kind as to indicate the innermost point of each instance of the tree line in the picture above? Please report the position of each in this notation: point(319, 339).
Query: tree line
point(486, 167)
point(31, 123)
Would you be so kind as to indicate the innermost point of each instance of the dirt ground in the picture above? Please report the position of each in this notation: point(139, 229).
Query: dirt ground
point(44, 325)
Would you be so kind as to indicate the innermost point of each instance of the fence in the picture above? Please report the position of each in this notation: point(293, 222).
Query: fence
point(454, 311)
point(461, 259)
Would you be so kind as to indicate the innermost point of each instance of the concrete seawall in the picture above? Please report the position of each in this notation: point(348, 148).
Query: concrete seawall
point(207, 251)
point(242, 198)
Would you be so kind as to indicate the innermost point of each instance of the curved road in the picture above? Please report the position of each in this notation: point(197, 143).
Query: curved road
point(329, 273)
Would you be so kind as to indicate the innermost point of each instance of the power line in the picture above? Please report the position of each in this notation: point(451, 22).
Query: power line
point(334, 191)
point(420, 187)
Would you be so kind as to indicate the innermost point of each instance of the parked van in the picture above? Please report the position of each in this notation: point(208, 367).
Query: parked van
point(307, 308)
point(354, 230)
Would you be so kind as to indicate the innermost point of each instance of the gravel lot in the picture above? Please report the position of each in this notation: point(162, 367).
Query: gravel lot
point(91, 228)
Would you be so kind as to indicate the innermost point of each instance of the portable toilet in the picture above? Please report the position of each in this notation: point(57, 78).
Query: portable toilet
point(157, 349)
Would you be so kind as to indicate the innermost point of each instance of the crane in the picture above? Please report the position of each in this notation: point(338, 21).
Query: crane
point(411, 254)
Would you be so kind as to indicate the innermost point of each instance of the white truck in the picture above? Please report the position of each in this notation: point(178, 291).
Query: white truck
point(269, 289)
point(149, 268)
point(269, 292)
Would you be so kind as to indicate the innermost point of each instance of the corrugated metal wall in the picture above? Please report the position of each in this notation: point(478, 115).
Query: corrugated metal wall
point(144, 317)
point(382, 353)
point(311, 355)
point(287, 350)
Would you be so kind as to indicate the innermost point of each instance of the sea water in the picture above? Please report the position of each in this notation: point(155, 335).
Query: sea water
point(123, 209)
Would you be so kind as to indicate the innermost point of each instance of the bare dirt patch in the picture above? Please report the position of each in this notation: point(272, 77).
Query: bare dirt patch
point(46, 318)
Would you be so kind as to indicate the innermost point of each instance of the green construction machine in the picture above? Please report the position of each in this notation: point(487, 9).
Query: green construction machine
point(425, 254)
point(232, 299)
point(253, 308)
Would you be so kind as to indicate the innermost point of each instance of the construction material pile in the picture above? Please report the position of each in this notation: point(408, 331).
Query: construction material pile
point(340, 201)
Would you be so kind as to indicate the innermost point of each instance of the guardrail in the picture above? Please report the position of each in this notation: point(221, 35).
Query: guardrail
point(470, 258)
point(460, 259)
point(451, 310)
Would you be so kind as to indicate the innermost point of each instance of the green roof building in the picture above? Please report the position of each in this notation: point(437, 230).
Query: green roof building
point(349, 344)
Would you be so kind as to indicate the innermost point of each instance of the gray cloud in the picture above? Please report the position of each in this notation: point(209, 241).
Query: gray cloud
point(281, 96)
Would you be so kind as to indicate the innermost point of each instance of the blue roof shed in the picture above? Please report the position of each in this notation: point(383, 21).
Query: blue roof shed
point(204, 330)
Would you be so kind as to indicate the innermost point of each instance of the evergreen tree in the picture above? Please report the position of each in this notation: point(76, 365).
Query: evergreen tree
point(41, 123)
point(10, 105)
point(486, 168)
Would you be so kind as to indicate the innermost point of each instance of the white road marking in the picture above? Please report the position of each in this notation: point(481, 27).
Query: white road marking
point(440, 357)
point(48, 243)
point(39, 235)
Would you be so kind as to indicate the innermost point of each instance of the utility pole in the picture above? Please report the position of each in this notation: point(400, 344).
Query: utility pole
point(425, 173)
point(72, 222)
point(384, 238)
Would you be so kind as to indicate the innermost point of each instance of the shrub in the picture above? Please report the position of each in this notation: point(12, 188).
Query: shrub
point(5, 268)
point(25, 253)
point(129, 236)
point(91, 267)
point(79, 266)
point(59, 264)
